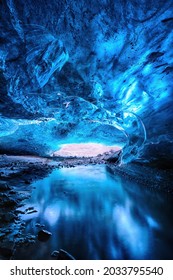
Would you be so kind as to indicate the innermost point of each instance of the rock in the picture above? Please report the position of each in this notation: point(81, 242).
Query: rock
point(62, 255)
point(27, 182)
point(4, 187)
point(10, 203)
point(6, 252)
point(37, 225)
point(4, 196)
point(44, 235)
point(19, 212)
point(8, 217)
point(12, 192)
point(2, 234)
point(114, 158)
point(32, 211)
point(30, 208)
point(55, 254)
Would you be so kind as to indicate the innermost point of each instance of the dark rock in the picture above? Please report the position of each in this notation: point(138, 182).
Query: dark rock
point(30, 208)
point(4, 187)
point(62, 255)
point(4, 196)
point(10, 203)
point(55, 254)
point(6, 252)
point(27, 182)
point(32, 211)
point(44, 235)
point(37, 225)
point(2, 234)
point(8, 217)
point(12, 192)
point(115, 158)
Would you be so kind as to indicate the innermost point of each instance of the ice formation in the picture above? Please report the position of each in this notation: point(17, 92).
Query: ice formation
point(87, 71)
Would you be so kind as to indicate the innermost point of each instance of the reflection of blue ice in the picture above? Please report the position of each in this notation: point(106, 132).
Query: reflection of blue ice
point(133, 234)
point(152, 223)
point(96, 216)
point(52, 214)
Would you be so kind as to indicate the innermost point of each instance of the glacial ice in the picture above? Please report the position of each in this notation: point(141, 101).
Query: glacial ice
point(96, 71)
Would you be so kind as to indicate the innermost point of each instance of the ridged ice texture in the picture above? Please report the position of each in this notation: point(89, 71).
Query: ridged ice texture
point(85, 71)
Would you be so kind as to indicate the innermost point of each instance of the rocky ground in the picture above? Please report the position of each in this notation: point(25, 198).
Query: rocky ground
point(18, 172)
point(145, 174)
point(16, 176)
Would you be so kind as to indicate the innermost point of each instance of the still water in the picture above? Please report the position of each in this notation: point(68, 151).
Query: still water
point(93, 214)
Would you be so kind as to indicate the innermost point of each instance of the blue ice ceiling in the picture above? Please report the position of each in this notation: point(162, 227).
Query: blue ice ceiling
point(87, 71)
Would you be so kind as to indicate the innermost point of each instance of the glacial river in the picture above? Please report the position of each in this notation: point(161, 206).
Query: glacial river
point(93, 214)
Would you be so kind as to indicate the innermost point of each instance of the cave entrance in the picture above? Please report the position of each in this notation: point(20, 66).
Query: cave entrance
point(85, 150)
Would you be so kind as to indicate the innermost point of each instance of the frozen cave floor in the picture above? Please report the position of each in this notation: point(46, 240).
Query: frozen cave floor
point(18, 172)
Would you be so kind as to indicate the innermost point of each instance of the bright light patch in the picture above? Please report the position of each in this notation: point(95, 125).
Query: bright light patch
point(84, 150)
point(52, 214)
point(130, 91)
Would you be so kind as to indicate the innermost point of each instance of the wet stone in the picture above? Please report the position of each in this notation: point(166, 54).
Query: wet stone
point(62, 255)
point(32, 211)
point(12, 192)
point(19, 212)
point(39, 225)
point(8, 217)
point(4, 187)
point(27, 182)
point(4, 195)
point(55, 254)
point(10, 203)
point(44, 235)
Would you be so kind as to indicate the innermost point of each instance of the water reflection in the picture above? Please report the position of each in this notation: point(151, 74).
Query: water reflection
point(95, 215)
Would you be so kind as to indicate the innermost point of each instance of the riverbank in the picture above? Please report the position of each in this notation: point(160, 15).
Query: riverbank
point(17, 173)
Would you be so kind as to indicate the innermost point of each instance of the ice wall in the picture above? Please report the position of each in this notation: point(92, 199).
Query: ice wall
point(82, 71)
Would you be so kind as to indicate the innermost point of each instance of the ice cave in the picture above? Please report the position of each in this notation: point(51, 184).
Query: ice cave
point(86, 129)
